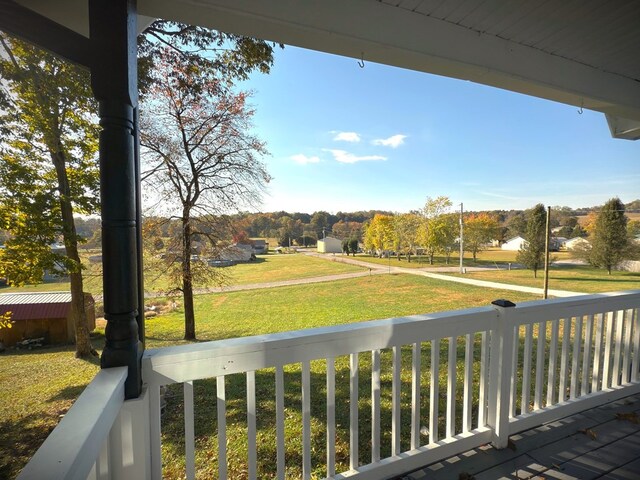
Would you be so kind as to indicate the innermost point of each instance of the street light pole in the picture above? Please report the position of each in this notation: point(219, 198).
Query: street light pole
point(461, 239)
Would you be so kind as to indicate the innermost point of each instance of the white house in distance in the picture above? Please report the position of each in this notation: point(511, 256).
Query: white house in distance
point(329, 245)
point(514, 244)
point(576, 242)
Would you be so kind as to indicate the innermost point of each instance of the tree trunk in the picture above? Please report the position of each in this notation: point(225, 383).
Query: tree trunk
point(187, 281)
point(78, 312)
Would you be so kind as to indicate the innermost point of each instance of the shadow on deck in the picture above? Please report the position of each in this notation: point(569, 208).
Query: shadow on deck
point(600, 443)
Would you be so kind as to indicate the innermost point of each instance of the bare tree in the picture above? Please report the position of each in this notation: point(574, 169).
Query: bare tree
point(200, 159)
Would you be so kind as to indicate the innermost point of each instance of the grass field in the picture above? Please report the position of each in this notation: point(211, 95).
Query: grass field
point(37, 387)
point(267, 268)
point(488, 257)
point(573, 278)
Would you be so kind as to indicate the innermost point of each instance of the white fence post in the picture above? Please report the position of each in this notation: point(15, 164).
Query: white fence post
point(500, 373)
point(129, 440)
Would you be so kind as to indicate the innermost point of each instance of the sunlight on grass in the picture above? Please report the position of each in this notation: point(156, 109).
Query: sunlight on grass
point(573, 278)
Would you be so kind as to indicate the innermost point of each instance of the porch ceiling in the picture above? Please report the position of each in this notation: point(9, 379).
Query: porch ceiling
point(578, 52)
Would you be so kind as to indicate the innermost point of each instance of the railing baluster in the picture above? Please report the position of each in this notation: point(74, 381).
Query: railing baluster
point(526, 369)
point(415, 396)
point(467, 411)
point(280, 422)
point(564, 359)
point(451, 388)
point(586, 356)
point(575, 360)
point(484, 378)
point(155, 427)
point(615, 380)
point(597, 354)
point(514, 375)
point(606, 374)
point(542, 335)
point(331, 417)
point(375, 406)
point(251, 426)
point(553, 358)
point(222, 427)
point(395, 402)
point(626, 364)
point(306, 420)
point(353, 415)
point(434, 410)
point(635, 364)
point(189, 431)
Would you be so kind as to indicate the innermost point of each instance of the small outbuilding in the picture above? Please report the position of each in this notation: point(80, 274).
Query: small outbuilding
point(514, 244)
point(329, 245)
point(237, 253)
point(42, 314)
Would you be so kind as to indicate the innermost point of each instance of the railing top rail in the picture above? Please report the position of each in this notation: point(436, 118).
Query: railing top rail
point(538, 310)
point(70, 451)
point(208, 359)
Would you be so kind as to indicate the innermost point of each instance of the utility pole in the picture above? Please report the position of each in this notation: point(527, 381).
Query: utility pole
point(461, 239)
point(546, 255)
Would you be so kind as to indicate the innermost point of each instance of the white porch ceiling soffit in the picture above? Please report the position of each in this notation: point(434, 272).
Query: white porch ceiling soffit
point(584, 53)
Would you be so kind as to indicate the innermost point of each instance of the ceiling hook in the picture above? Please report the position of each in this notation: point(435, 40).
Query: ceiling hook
point(580, 110)
point(361, 61)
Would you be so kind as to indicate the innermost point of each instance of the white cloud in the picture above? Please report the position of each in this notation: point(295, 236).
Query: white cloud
point(347, 137)
point(302, 159)
point(394, 141)
point(346, 157)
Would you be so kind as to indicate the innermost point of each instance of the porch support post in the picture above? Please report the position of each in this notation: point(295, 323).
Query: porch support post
point(114, 81)
point(500, 372)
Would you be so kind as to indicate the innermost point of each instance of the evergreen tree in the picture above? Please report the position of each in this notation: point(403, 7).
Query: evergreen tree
point(609, 240)
point(531, 255)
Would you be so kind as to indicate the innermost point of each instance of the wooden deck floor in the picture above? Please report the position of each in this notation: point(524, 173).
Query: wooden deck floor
point(601, 443)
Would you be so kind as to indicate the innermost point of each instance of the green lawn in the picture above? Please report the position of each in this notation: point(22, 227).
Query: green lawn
point(488, 257)
point(573, 278)
point(267, 268)
point(275, 268)
point(37, 387)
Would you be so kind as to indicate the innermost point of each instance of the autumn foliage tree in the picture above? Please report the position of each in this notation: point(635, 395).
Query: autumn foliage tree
point(479, 229)
point(200, 158)
point(378, 235)
point(48, 169)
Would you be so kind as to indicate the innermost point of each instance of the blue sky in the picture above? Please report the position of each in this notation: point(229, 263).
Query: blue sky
point(346, 138)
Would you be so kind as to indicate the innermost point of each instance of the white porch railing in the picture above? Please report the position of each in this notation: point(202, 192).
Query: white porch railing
point(503, 369)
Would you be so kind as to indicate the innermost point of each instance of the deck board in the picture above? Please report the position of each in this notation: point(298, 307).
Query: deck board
point(594, 444)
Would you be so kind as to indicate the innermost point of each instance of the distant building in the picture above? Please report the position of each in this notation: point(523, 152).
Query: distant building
point(514, 244)
point(576, 242)
point(42, 314)
point(260, 246)
point(329, 245)
point(240, 252)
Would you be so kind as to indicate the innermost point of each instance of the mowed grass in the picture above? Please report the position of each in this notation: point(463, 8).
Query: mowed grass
point(291, 308)
point(256, 312)
point(573, 278)
point(37, 387)
point(488, 257)
point(276, 268)
point(267, 268)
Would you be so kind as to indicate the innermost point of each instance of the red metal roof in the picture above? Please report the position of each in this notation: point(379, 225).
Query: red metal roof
point(40, 305)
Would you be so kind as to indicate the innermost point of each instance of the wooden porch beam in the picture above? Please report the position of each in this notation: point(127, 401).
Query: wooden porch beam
point(32, 27)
